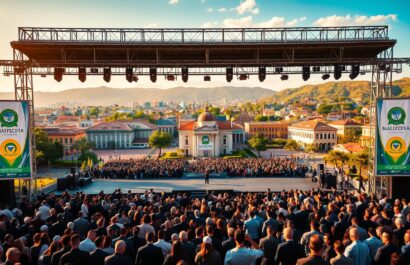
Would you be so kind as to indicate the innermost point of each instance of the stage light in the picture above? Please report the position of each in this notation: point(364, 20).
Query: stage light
point(207, 78)
point(284, 77)
point(153, 74)
point(170, 77)
point(184, 72)
point(316, 68)
point(262, 73)
point(243, 77)
point(58, 74)
point(229, 74)
point(337, 72)
point(325, 76)
point(107, 74)
point(82, 74)
point(355, 71)
point(305, 73)
point(43, 75)
point(278, 69)
point(129, 73)
point(135, 78)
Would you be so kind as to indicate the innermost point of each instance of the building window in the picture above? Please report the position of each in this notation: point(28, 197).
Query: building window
point(186, 140)
point(224, 140)
point(224, 151)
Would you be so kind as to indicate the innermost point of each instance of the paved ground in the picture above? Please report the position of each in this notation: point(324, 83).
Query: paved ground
point(167, 185)
point(107, 155)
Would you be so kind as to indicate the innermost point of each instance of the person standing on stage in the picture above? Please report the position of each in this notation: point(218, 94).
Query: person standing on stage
point(207, 177)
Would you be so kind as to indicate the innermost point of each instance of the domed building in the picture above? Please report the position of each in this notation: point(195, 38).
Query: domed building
point(208, 136)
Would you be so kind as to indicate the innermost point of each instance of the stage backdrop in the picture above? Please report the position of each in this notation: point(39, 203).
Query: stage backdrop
point(15, 161)
point(393, 137)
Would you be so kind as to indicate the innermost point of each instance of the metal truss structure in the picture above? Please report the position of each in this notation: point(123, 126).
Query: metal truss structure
point(280, 51)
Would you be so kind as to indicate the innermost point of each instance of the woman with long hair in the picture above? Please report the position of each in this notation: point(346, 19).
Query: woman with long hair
point(24, 251)
point(35, 249)
point(207, 255)
point(176, 255)
point(45, 259)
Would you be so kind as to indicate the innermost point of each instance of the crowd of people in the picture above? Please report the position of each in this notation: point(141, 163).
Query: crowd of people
point(174, 168)
point(283, 228)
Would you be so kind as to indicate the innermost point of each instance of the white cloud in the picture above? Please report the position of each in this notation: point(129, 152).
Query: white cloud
point(243, 22)
point(173, 2)
point(357, 20)
point(209, 24)
point(274, 22)
point(151, 25)
point(247, 6)
point(209, 9)
point(222, 9)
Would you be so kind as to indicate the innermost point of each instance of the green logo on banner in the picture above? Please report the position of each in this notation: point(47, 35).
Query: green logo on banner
point(205, 139)
point(8, 118)
point(396, 116)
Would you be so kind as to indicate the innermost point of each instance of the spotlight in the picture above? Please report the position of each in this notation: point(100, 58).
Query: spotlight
point(354, 71)
point(278, 69)
point(129, 73)
point(135, 78)
point(337, 72)
point(305, 73)
point(243, 77)
point(284, 77)
point(170, 77)
point(229, 74)
point(207, 78)
point(107, 74)
point(262, 73)
point(153, 74)
point(82, 74)
point(316, 68)
point(43, 75)
point(58, 74)
point(325, 76)
point(184, 72)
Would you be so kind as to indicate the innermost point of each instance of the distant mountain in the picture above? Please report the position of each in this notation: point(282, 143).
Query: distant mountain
point(107, 96)
point(332, 90)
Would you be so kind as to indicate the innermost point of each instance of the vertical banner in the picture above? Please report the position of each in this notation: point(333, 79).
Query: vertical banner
point(15, 150)
point(393, 137)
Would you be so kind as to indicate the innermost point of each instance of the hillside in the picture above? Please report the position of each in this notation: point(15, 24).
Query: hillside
point(107, 96)
point(333, 90)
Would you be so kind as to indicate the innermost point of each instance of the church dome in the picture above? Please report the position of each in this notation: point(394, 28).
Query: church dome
point(206, 116)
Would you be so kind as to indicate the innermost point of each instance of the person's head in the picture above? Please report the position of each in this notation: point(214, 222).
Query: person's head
point(177, 251)
point(183, 236)
point(13, 255)
point(354, 234)
point(327, 238)
point(314, 225)
point(231, 232)
point(239, 237)
point(288, 233)
point(174, 237)
point(315, 245)
point(206, 246)
point(150, 237)
point(99, 242)
point(339, 247)
point(119, 247)
point(210, 230)
point(135, 231)
point(124, 231)
point(407, 237)
point(399, 222)
point(270, 231)
point(355, 221)
point(372, 232)
point(75, 241)
point(199, 232)
point(161, 234)
point(387, 237)
point(91, 235)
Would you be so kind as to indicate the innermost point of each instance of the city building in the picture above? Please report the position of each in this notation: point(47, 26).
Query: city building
point(365, 138)
point(121, 134)
point(269, 129)
point(65, 136)
point(348, 148)
point(345, 128)
point(313, 133)
point(166, 125)
point(208, 137)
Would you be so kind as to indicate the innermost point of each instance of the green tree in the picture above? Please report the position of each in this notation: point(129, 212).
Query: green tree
point(336, 157)
point(46, 150)
point(82, 145)
point(88, 155)
point(292, 145)
point(259, 143)
point(324, 109)
point(95, 111)
point(361, 160)
point(160, 140)
point(260, 117)
point(215, 111)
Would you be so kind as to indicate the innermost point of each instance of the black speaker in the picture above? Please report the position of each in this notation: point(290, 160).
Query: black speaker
point(7, 194)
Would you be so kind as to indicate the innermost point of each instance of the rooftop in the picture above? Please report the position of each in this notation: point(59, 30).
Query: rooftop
point(313, 125)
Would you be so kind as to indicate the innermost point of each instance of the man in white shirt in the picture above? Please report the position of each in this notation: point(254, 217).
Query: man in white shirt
point(164, 245)
point(241, 255)
point(44, 210)
point(88, 244)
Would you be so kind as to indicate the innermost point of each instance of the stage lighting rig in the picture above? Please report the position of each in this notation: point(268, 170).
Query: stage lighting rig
point(129, 72)
point(284, 77)
point(243, 77)
point(153, 74)
point(337, 71)
point(82, 74)
point(305, 73)
point(207, 78)
point(278, 70)
point(170, 77)
point(325, 77)
point(58, 74)
point(262, 73)
point(184, 72)
point(107, 74)
point(229, 74)
point(355, 71)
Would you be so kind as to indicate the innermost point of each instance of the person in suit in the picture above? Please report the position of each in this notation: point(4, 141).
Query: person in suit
point(188, 247)
point(384, 252)
point(137, 242)
point(98, 256)
point(269, 244)
point(271, 221)
point(405, 250)
point(229, 243)
point(75, 255)
point(118, 258)
point(12, 256)
point(316, 250)
point(55, 258)
point(81, 225)
point(149, 254)
point(289, 251)
point(340, 259)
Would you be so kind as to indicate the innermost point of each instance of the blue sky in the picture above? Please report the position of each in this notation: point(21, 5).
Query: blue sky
point(197, 13)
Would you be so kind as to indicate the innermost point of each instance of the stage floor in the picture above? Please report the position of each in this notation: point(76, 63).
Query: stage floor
point(169, 185)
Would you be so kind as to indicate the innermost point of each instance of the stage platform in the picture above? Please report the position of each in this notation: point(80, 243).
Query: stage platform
point(170, 185)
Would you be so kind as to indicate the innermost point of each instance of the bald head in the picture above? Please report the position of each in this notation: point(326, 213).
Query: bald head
point(120, 247)
point(183, 236)
point(288, 233)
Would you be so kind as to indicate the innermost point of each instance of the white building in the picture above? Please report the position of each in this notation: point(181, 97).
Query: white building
point(208, 137)
point(314, 133)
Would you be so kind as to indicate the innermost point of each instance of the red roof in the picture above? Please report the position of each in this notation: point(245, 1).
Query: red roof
point(352, 147)
point(186, 125)
point(222, 125)
point(313, 125)
point(345, 123)
point(110, 126)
